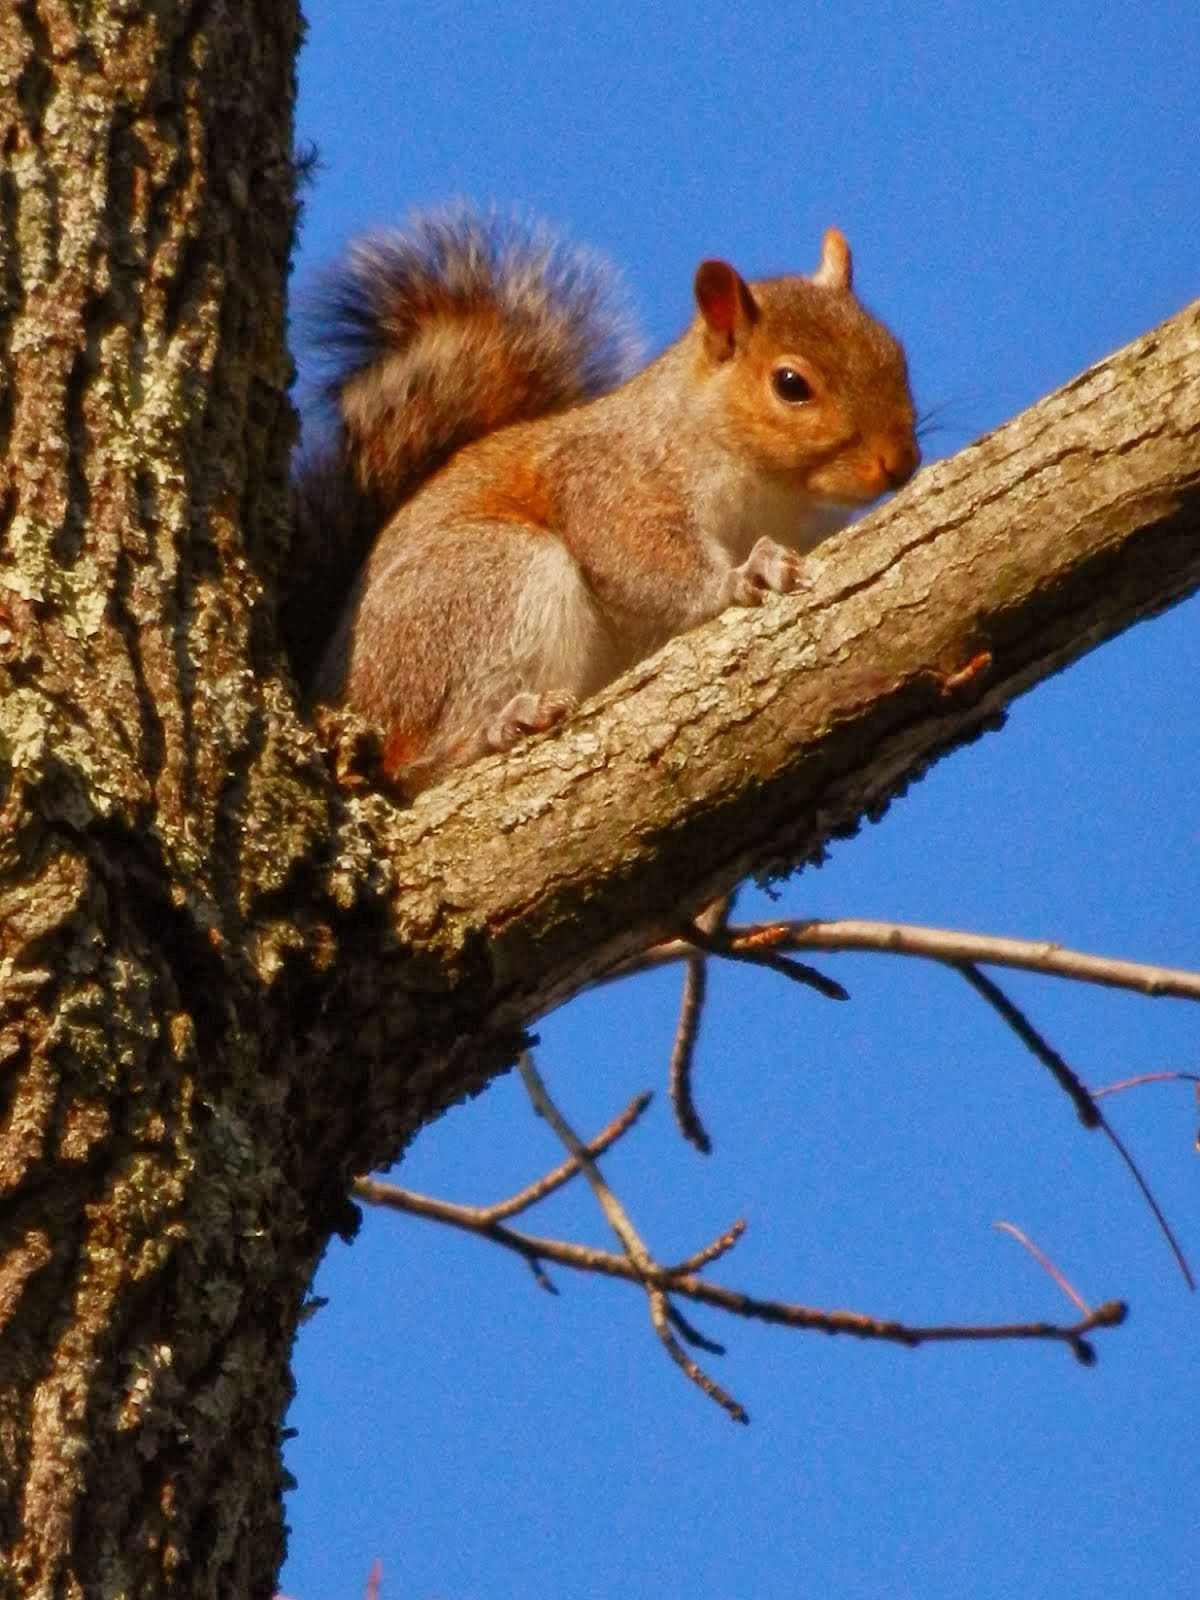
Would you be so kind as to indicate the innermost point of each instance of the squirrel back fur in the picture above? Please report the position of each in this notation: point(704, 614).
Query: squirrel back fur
point(433, 337)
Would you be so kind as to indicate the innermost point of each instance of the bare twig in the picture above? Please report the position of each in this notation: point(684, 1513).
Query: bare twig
point(1145, 1077)
point(724, 942)
point(478, 1218)
point(1086, 1108)
point(683, 1052)
point(530, 1247)
point(1047, 1265)
point(687, 1031)
point(687, 1285)
point(946, 945)
point(1118, 1145)
point(691, 1334)
point(761, 943)
point(646, 1270)
point(662, 1313)
point(711, 1252)
point(1109, 1315)
point(1089, 1112)
point(1153, 1077)
point(614, 1211)
point(634, 1264)
point(570, 1168)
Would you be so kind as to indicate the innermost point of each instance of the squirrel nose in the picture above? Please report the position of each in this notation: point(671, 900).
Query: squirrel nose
point(896, 462)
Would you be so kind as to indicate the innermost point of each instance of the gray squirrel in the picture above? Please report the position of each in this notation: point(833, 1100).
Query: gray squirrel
point(523, 520)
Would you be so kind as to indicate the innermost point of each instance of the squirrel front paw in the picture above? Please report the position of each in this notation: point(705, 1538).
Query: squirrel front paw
point(770, 568)
point(524, 714)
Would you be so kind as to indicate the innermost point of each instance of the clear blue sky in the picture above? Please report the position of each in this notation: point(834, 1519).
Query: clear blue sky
point(1021, 186)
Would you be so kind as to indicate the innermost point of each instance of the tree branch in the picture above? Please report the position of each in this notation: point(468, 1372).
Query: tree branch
point(683, 1280)
point(947, 945)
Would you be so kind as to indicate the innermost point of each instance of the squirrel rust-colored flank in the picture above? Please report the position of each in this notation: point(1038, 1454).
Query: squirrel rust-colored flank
point(535, 529)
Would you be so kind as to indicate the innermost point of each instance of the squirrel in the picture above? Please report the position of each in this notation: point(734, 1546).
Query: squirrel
point(537, 520)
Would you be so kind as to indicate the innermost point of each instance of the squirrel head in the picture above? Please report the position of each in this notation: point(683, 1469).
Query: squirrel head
point(810, 384)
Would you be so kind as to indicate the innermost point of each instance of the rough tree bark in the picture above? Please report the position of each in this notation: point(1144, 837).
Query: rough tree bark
point(226, 984)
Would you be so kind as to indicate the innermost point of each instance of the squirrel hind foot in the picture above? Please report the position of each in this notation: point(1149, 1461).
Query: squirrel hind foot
point(770, 568)
point(526, 713)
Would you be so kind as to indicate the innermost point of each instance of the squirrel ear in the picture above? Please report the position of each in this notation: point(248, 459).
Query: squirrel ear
point(836, 269)
point(726, 304)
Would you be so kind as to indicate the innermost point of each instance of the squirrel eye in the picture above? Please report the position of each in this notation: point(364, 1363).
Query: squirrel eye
point(791, 386)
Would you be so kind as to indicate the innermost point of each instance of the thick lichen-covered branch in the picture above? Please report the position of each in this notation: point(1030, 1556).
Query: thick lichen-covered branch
point(746, 745)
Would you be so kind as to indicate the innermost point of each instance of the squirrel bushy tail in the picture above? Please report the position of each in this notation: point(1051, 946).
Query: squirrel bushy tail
point(460, 325)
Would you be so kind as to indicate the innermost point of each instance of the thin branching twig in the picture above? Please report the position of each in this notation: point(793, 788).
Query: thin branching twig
point(664, 1283)
point(945, 945)
point(562, 1174)
point(1089, 1112)
point(638, 1256)
point(768, 945)
point(377, 1192)
point(689, 1286)
point(724, 942)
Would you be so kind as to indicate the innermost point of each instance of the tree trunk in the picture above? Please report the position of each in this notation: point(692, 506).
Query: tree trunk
point(227, 983)
point(153, 1252)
